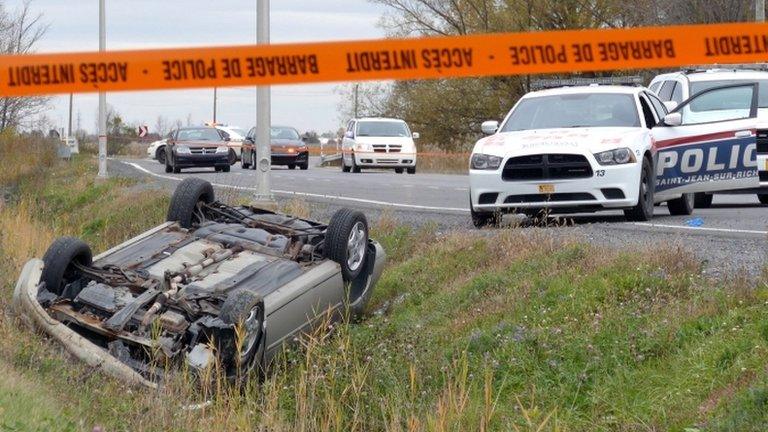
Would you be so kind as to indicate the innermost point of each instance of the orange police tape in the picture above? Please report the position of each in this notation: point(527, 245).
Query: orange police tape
point(416, 58)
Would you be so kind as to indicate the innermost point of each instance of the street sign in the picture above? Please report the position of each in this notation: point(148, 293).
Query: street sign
point(143, 131)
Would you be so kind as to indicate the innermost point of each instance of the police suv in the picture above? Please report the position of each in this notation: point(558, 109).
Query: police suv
point(585, 146)
point(673, 88)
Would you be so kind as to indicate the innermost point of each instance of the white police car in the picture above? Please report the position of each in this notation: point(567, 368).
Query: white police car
point(675, 87)
point(595, 147)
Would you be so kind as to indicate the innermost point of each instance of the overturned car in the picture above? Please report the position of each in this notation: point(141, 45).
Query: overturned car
point(215, 285)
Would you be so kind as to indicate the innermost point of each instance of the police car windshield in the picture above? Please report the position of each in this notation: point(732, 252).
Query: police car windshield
point(762, 94)
point(574, 110)
point(382, 129)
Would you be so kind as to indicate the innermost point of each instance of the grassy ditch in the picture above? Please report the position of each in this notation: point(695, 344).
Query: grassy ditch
point(507, 330)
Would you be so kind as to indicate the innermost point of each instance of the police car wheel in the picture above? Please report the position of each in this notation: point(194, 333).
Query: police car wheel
point(763, 199)
point(643, 211)
point(702, 200)
point(682, 206)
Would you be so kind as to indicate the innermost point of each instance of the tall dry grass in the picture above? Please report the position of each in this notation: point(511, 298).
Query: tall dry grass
point(22, 155)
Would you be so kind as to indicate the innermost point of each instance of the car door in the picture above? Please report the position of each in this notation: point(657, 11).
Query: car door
point(707, 143)
point(248, 145)
point(348, 143)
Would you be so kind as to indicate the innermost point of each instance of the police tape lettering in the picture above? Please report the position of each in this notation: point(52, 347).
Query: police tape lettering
point(498, 54)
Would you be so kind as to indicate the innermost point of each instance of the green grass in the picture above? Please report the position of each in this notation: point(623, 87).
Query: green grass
point(510, 330)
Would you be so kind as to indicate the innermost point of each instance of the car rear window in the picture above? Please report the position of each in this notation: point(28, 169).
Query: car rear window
point(574, 110)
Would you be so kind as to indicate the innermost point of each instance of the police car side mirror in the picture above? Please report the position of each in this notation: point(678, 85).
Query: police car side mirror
point(673, 119)
point(415, 135)
point(671, 105)
point(489, 127)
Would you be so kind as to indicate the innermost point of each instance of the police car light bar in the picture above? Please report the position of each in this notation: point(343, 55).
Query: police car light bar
point(572, 82)
point(729, 67)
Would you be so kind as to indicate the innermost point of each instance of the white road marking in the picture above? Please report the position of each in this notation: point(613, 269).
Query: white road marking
point(418, 207)
point(688, 228)
point(461, 189)
point(311, 195)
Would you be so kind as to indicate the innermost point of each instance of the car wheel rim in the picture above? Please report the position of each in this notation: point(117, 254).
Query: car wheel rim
point(251, 326)
point(356, 246)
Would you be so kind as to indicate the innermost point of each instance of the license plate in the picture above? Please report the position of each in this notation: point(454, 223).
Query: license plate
point(547, 188)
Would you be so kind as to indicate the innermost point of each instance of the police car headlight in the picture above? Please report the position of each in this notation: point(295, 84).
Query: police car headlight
point(482, 161)
point(183, 150)
point(615, 157)
point(222, 149)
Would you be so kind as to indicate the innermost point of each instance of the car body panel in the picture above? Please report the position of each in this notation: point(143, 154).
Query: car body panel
point(299, 294)
point(706, 156)
point(754, 169)
point(587, 192)
point(378, 151)
point(283, 151)
point(203, 153)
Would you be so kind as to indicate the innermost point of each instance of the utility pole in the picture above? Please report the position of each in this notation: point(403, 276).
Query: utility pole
point(215, 91)
point(102, 99)
point(357, 104)
point(760, 10)
point(69, 124)
point(263, 196)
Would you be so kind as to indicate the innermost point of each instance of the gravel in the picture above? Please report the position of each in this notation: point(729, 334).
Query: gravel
point(723, 255)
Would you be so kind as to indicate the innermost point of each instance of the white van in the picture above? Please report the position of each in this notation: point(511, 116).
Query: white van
point(378, 143)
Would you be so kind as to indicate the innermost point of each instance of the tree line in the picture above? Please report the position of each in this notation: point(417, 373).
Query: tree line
point(448, 112)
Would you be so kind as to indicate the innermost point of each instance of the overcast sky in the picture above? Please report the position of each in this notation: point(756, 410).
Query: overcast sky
point(176, 23)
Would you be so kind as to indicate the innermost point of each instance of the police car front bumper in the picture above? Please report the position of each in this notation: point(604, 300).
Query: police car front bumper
point(609, 187)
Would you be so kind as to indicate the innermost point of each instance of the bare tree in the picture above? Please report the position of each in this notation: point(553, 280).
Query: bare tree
point(20, 31)
point(161, 125)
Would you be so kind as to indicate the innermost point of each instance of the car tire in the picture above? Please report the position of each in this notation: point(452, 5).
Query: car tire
point(702, 200)
point(291, 166)
point(160, 155)
point(344, 167)
point(243, 163)
point(226, 168)
point(412, 170)
point(253, 161)
point(232, 157)
point(304, 166)
point(643, 211)
point(484, 219)
point(354, 168)
point(58, 260)
point(346, 241)
point(763, 198)
point(682, 206)
point(186, 200)
point(244, 308)
point(398, 170)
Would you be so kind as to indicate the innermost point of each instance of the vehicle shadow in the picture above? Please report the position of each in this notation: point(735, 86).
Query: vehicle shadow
point(564, 220)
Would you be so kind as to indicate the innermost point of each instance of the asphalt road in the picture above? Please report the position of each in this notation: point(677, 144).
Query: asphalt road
point(733, 236)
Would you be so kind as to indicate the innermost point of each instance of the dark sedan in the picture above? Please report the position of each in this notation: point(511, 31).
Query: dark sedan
point(287, 148)
point(194, 147)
